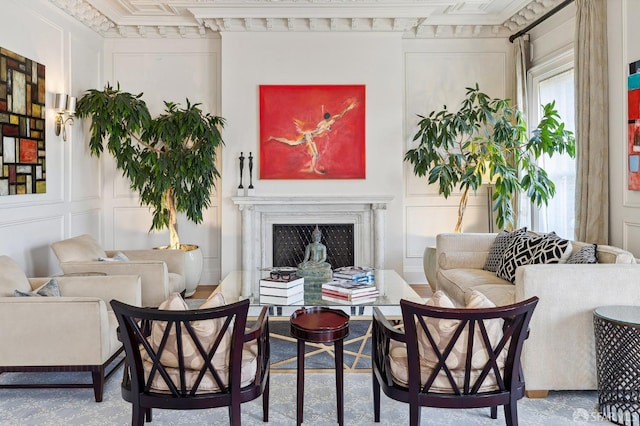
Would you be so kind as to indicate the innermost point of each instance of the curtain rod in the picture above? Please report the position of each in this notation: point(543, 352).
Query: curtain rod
point(543, 18)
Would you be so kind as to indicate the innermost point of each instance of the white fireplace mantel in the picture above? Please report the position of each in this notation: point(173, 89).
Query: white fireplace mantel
point(259, 214)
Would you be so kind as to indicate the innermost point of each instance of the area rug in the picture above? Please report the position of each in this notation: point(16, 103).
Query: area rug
point(77, 407)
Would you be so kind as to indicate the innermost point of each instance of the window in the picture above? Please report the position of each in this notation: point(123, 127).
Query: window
point(555, 82)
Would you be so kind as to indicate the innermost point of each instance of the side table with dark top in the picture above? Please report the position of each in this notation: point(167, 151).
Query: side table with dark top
point(617, 338)
point(320, 325)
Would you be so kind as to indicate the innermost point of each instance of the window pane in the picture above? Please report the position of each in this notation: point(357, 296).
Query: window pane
point(559, 216)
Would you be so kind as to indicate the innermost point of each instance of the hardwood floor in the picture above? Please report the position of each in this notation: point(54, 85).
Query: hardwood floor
point(203, 291)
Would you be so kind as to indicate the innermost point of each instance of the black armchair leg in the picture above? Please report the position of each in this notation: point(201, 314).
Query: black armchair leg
point(265, 401)
point(376, 399)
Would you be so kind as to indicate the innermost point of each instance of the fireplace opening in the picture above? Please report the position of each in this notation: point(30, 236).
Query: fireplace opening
point(290, 241)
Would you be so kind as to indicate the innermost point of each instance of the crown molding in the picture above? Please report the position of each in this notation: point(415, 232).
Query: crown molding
point(209, 18)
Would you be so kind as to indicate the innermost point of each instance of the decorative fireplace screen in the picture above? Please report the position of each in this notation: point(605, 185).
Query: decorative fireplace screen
point(289, 242)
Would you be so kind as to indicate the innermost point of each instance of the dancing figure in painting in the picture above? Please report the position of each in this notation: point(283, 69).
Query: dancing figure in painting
point(307, 136)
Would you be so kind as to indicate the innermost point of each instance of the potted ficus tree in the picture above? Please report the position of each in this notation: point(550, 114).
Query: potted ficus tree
point(488, 137)
point(170, 160)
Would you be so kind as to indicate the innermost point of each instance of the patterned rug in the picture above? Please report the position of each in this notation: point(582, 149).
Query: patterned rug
point(77, 407)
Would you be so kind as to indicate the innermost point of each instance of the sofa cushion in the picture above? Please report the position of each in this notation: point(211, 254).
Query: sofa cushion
point(584, 255)
point(610, 254)
point(521, 251)
point(48, 289)
point(461, 259)
point(552, 249)
point(442, 331)
point(455, 282)
point(12, 278)
point(498, 247)
point(499, 294)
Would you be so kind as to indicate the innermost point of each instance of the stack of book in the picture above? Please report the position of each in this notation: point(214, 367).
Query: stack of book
point(349, 292)
point(282, 291)
point(358, 274)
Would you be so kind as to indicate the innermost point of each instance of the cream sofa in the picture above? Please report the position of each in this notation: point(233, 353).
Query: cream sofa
point(162, 272)
point(560, 351)
point(74, 332)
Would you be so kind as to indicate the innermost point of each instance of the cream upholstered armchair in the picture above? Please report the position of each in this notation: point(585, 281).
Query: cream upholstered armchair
point(162, 271)
point(73, 332)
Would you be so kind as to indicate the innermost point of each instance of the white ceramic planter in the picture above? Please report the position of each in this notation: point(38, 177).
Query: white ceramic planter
point(193, 268)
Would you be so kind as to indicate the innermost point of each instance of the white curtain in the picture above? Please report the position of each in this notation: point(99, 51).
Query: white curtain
point(522, 205)
point(592, 129)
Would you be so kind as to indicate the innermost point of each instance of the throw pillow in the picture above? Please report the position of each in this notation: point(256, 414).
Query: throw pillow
point(498, 247)
point(587, 254)
point(442, 331)
point(521, 251)
point(552, 249)
point(48, 289)
point(118, 257)
point(206, 331)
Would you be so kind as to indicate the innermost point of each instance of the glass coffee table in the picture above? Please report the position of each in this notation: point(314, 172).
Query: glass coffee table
point(246, 285)
point(392, 287)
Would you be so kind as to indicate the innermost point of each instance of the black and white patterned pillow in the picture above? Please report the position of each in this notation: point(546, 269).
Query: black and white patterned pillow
point(587, 254)
point(552, 249)
point(498, 247)
point(520, 252)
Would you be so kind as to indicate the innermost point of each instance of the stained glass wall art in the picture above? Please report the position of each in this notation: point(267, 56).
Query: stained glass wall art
point(22, 125)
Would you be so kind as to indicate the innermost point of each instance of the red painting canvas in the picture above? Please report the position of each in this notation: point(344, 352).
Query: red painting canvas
point(312, 132)
point(633, 124)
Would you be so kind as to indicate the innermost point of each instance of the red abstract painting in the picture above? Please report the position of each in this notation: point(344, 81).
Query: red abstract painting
point(312, 132)
point(633, 124)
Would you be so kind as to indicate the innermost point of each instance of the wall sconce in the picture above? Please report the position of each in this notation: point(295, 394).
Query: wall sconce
point(66, 108)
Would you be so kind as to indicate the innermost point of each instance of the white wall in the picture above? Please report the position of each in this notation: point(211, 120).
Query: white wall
point(372, 59)
point(71, 54)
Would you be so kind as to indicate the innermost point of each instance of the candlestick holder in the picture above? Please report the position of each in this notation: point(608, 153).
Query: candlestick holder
point(240, 187)
point(251, 190)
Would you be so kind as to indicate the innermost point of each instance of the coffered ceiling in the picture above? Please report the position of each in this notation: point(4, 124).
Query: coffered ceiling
point(205, 18)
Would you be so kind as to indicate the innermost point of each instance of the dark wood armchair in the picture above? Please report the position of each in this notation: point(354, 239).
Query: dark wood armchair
point(196, 359)
point(451, 358)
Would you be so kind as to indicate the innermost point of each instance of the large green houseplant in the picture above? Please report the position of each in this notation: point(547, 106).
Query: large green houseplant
point(488, 137)
point(170, 160)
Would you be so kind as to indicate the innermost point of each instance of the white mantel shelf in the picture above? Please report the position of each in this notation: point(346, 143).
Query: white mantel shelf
point(260, 213)
point(315, 200)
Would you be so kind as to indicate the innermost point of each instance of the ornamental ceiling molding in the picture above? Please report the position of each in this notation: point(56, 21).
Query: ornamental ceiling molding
point(209, 18)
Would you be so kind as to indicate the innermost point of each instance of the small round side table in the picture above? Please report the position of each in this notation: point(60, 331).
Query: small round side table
point(617, 338)
point(320, 325)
